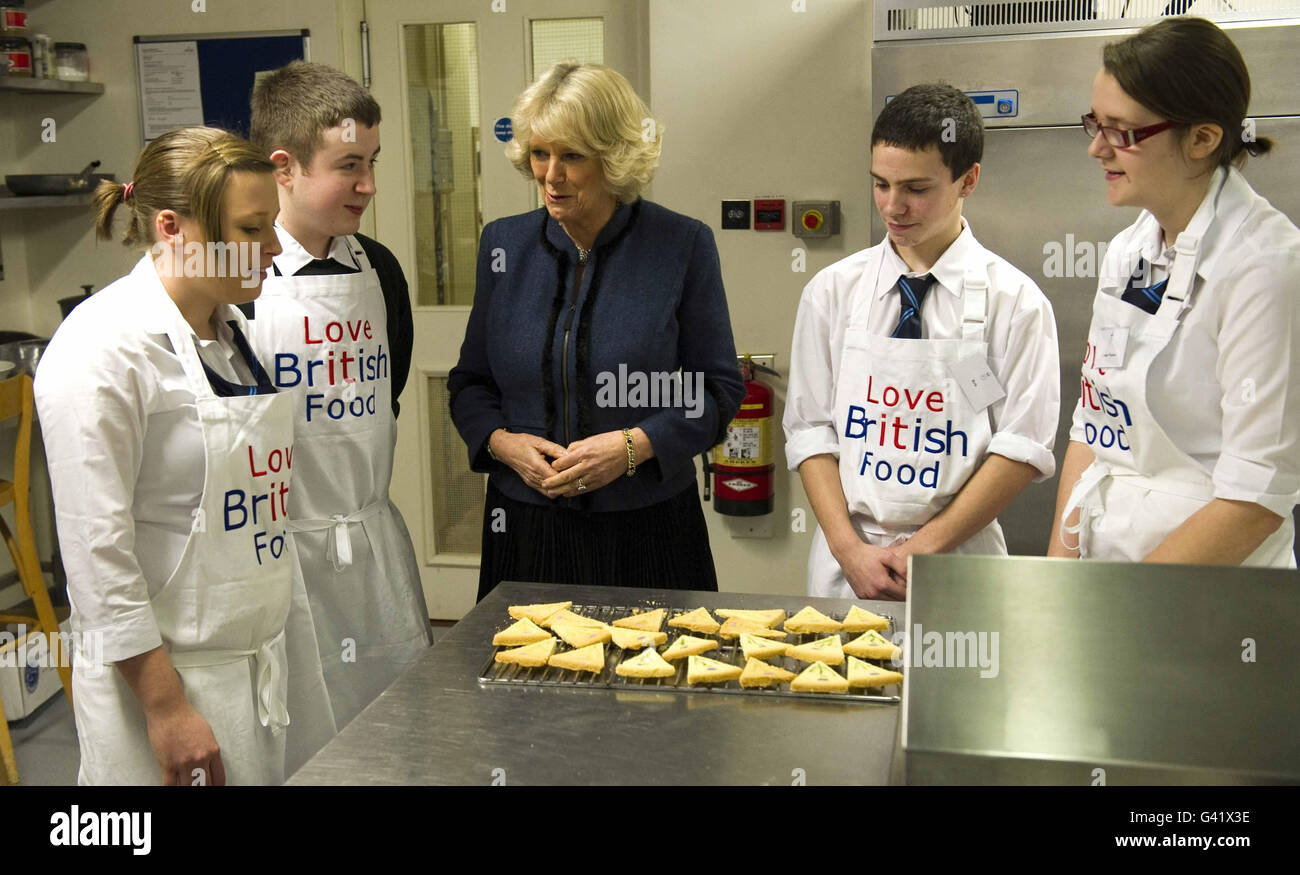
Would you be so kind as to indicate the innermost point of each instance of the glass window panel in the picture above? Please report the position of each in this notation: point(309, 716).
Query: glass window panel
point(565, 39)
point(446, 186)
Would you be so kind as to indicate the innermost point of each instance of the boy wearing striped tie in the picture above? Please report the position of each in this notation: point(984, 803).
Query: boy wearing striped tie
point(925, 379)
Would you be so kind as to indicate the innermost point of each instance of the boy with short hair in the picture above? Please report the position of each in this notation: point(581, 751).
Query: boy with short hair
point(334, 326)
point(903, 443)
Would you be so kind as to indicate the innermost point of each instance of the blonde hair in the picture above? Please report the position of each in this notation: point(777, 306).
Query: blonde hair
point(185, 170)
point(593, 109)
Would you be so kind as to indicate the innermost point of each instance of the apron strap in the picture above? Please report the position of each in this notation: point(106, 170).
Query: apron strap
point(1182, 274)
point(974, 306)
point(1089, 513)
point(270, 676)
point(338, 545)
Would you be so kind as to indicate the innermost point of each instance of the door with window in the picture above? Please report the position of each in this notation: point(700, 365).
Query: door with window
point(447, 74)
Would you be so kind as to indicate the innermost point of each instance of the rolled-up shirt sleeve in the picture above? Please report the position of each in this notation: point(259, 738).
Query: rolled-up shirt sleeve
point(810, 398)
point(93, 416)
point(1258, 371)
point(707, 356)
point(1025, 421)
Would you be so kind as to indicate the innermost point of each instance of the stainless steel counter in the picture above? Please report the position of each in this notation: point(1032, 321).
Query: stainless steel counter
point(438, 725)
point(1102, 672)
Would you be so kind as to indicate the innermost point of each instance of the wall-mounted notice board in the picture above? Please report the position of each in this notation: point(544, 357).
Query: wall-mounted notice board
point(206, 79)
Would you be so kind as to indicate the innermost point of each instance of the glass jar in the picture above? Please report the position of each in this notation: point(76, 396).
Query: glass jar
point(13, 18)
point(42, 56)
point(71, 63)
point(15, 56)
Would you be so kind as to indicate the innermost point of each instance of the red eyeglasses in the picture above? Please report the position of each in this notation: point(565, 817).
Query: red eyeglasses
point(1122, 139)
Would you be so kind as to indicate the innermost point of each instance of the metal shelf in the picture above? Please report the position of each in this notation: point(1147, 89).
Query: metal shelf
point(48, 86)
point(13, 202)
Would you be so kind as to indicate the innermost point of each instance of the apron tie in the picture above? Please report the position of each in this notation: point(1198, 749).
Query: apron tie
point(1089, 513)
point(338, 544)
point(269, 677)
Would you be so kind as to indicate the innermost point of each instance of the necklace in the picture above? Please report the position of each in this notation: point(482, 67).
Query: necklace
point(582, 254)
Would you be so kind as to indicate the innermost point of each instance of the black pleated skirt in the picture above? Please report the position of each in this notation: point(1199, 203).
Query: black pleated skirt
point(663, 546)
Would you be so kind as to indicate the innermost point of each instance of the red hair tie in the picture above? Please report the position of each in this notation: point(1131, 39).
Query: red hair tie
point(126, 190)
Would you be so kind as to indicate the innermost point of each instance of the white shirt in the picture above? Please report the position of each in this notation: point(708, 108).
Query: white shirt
point(125, 453)
point(293, 257)
point(1020, 330)
point(1226, 389)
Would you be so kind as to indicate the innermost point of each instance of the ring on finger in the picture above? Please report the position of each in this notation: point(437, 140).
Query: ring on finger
point(582, 487)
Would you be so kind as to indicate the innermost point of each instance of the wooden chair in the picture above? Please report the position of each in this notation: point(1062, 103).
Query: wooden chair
point(16, 401)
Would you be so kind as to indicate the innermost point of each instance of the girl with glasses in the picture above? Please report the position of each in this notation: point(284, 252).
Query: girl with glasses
point(1184, 443)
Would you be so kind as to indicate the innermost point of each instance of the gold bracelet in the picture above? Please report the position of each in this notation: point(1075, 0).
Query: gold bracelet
point(631, 453)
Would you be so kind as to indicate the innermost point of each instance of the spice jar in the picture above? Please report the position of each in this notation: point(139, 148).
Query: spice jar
point(71, 63)
point(13, 18)
point(15, 56)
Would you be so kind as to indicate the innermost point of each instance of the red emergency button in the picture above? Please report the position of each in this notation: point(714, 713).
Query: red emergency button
point(812, 219)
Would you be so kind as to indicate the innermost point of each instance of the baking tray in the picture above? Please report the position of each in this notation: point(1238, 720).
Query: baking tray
point(728, 651)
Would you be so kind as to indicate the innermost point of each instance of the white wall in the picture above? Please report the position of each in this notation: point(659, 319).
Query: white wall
point(759, 99)
point(50, 253)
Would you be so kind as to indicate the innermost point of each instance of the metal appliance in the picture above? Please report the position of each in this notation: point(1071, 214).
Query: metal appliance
point(1029, 66)
point(1044, 671)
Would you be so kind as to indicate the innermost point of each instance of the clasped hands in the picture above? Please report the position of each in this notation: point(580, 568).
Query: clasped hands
point(875, 572)
point(557, 471)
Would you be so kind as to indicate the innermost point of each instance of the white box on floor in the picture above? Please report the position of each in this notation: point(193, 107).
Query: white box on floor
point(24, 688)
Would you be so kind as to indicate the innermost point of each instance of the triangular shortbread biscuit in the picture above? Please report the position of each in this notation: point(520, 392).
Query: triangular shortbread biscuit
point(872, 645)
point(819, 678)
point(538, 613)
point(860, 620)
point(567, 616)
point(590, 658)
point(697, 620)
point(864, 674)
point(532, 655)
point(762, 674)
point(523, 632)
point(734, 627)
point(762, 618)
point(761, 648)
point(827, 650)
point(580, 634)
point(650, 621)
point(689, 645)
point(811, 620)
point(647, 664)
point(702, 670)
point(635, 639)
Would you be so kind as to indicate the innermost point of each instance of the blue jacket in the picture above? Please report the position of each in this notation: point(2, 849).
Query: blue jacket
point(651, 302)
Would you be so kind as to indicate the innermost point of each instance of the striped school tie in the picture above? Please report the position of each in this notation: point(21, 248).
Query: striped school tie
point(1146, 299)
point(911, 293)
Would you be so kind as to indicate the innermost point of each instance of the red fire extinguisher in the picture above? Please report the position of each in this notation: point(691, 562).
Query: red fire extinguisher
point(742, 464)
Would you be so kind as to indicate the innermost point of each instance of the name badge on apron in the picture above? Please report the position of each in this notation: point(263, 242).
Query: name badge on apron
point(976, 380)
point(1112, 344)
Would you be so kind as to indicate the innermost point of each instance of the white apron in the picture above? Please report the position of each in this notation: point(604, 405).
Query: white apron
point(1141, 486)
point(909, 439)
point(325, 341)
point(223, 611)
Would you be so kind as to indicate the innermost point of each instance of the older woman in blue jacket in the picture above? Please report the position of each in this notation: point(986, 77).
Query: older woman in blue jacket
point(598, 360)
